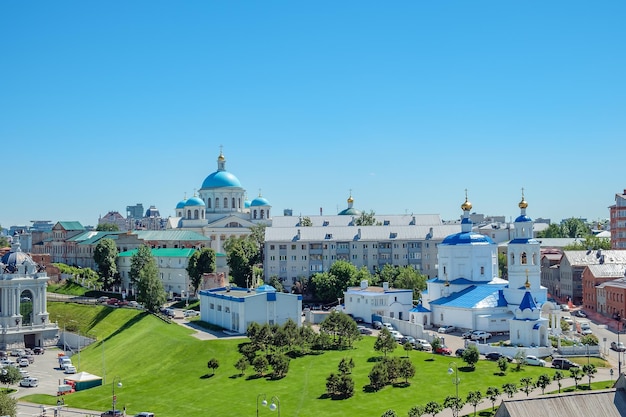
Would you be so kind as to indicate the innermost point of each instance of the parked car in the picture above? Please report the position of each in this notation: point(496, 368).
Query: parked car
point(363, 330)
point(38, 350)
point(112, 413)
point(586, 331)
point(480, 335)
point(70, 369)
point(422, 344)
point(534, 361)
point(396, 335)
point(564, 307)
point(389, 326)
point(446, 329)
point(467, 334)
point(30, 358)
point(24, 373)
point(377, 325)
point(409, 339)
point(562, 363)
point(112, 301)
point(103, 299)
point(144, 414)
point(618, 347)
point(191, 313)
point(568, 320)
point(494, 356)
point(580, 313)
point(29, 382)
point(443, 350)
point(23, 362)
point(459, 352)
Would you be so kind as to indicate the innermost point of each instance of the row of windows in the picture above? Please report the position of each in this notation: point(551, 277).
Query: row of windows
point(219, 308)
point(235, 203)
point(345, 245)
point(318, 257)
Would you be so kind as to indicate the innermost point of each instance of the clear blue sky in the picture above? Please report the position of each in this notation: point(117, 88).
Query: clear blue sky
point(104, 104)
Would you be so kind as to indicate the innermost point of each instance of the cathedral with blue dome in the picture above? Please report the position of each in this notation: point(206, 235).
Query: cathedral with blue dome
point(469, 294)
point(219, 209)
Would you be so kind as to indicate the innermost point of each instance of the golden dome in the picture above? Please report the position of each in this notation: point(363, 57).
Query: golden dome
point(221, 157)
point(467, 206)
point(350, 199)
point(523, 204)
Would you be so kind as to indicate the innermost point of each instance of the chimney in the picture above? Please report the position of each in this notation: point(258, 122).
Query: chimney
point(320, 211)
point(359, 233)
point(298, 234)
point(385, 286)
point(363, 284)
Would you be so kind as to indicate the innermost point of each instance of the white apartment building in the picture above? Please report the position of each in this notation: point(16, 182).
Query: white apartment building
point(365, 301)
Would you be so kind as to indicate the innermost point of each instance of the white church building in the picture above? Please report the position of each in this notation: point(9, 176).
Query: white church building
point(468, 294)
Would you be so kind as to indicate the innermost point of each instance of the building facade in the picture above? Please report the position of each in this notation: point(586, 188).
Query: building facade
point(617, 219)
point(365, 301)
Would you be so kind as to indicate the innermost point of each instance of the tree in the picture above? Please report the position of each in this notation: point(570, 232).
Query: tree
point(471, 355)
point(8, 405)
point(574, 228)
point(150, 290)
point(342, 328)
point(241, 365)
point(408, 347)
point(213, 364)
point(138, 261)
point(543, 381)
point(378, 376)
point(242, 254)
point(552, 231)
point(385, 343)
point(305, 222)
point(417, 411)
point(406, 369)
point(105, 255)
point(200, 262)
point(260, 364)
point(590, 242)
point(502, 265)
point(493, 393)
point(577, 375)
point(453, 403)
point(257, 236)
point(366, 219)
point(326, 287)
point(510, 389)
point(558, 376)
point(10, 375)
point(503, 364)
point(108, 227)
point(527, 384)
point(474, 398)
point(389, 413)
point(408, 278)
point(346, 386)
point(432, 408)
point(276, 283)
point(345, 366)
point(332, 384)
point(520, 359)
point(589, 339)
point(589, 370)
point(280, 365)
point(345, 273)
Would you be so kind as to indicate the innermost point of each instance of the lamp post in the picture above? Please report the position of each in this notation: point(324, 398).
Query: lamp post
point(274, 403)
point(619, 354)
point(455, 371)
point(119, 384)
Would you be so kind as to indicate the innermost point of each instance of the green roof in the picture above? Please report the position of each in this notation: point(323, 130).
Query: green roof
point(169, 235)
point(71, 225)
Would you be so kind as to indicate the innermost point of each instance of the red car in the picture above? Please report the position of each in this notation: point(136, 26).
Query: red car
point(112, 301)
point(443, 350)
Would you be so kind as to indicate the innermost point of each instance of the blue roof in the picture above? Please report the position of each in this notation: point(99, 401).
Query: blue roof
point(524, 241)
point(468, 238)
point(181, 204)
point(220, 179)
point(523, 218)
point(527, 302)
point(476, 296)
point(458, 281)
point(194, 201)
point(349, 212)
point(260, 201)
point(420, 309)
point(266, 288)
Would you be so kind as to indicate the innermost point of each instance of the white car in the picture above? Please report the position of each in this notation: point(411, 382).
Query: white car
point(396, 335)
point(480, 335)
point(389, 326)
point(446, 329)
point(70, 369)
point(534, 361)
point(23, 362)
point(422, 344)
point(618, 347)
point(191, 313)
point(29, 382)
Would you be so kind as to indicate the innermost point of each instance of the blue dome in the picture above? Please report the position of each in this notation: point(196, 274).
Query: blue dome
point(194, 201)
point(523, 218)
point(181, 204)
point(465, 238)
point(247, 203)
point(220, 179)
point(259, 201)
point(349, 212)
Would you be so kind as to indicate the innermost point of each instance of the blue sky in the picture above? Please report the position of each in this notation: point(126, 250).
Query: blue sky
point(406, 103)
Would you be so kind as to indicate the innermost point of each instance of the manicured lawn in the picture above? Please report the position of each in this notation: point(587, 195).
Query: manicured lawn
point(163, 369)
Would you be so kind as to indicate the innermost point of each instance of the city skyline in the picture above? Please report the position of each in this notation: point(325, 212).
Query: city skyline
point(404, 107)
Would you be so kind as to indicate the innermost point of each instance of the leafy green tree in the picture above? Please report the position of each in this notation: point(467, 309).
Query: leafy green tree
point(257, 236)
point(305, 222)
point(471, 355)
point(108, 227)
point(280, 365)
point(366, 219)
point(342, 328)
point(241, 365)
point(558, 376)
point(417, 411)
point(346, 386)
point(552, 231)
point(408, 347)
point(408, 278)
point(213, 364)
point(543, 381)
point(520, 359)
point(564, 326)
point(200, 262)
point(474, 398)
point(493, 393)
point(589, 339)
point(10, 375)
point(510, 389)
point(589, 370)
point(436, 344)
point(406, 369)
point(502, 265)
point(150, 290)
point(590, 242)
point(8, 405)
point(527, 384)
point(326, 287)
point(433, 408)
point(385, 342)
point(332, 384)
point(242, 254)
point(345, 366)
point(275, 282)
point(576, 374)
point(260, 364)
point(378, 376)
point(345, 272)
point(105, 255)
point(138, 261)
point(503, 365)
point(574, 228)
point(389, 413)
point(387, 273)
point(453, 403)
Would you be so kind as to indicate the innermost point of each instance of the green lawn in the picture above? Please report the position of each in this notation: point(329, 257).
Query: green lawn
point(164, 370)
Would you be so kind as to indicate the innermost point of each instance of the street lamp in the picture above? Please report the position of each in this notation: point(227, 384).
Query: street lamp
point(455, 371)
point(119, 384)
point(274, 403)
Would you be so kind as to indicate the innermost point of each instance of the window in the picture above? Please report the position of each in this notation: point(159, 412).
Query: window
point(225, 202)
point(482, 270)
point(217, 202)
point(219, 307)
point(212, 306)
point(233, 203)
point(282, 247)
point(293, 247)
point(303, 247)
point(272, 247)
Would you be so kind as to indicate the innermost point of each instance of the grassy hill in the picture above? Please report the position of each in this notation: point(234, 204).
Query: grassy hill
point(163, 369)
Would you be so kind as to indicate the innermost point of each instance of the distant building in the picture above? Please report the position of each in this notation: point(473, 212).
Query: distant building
point(114, 217)
point(234, 309)
point(617, 215)
point(365, 301)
